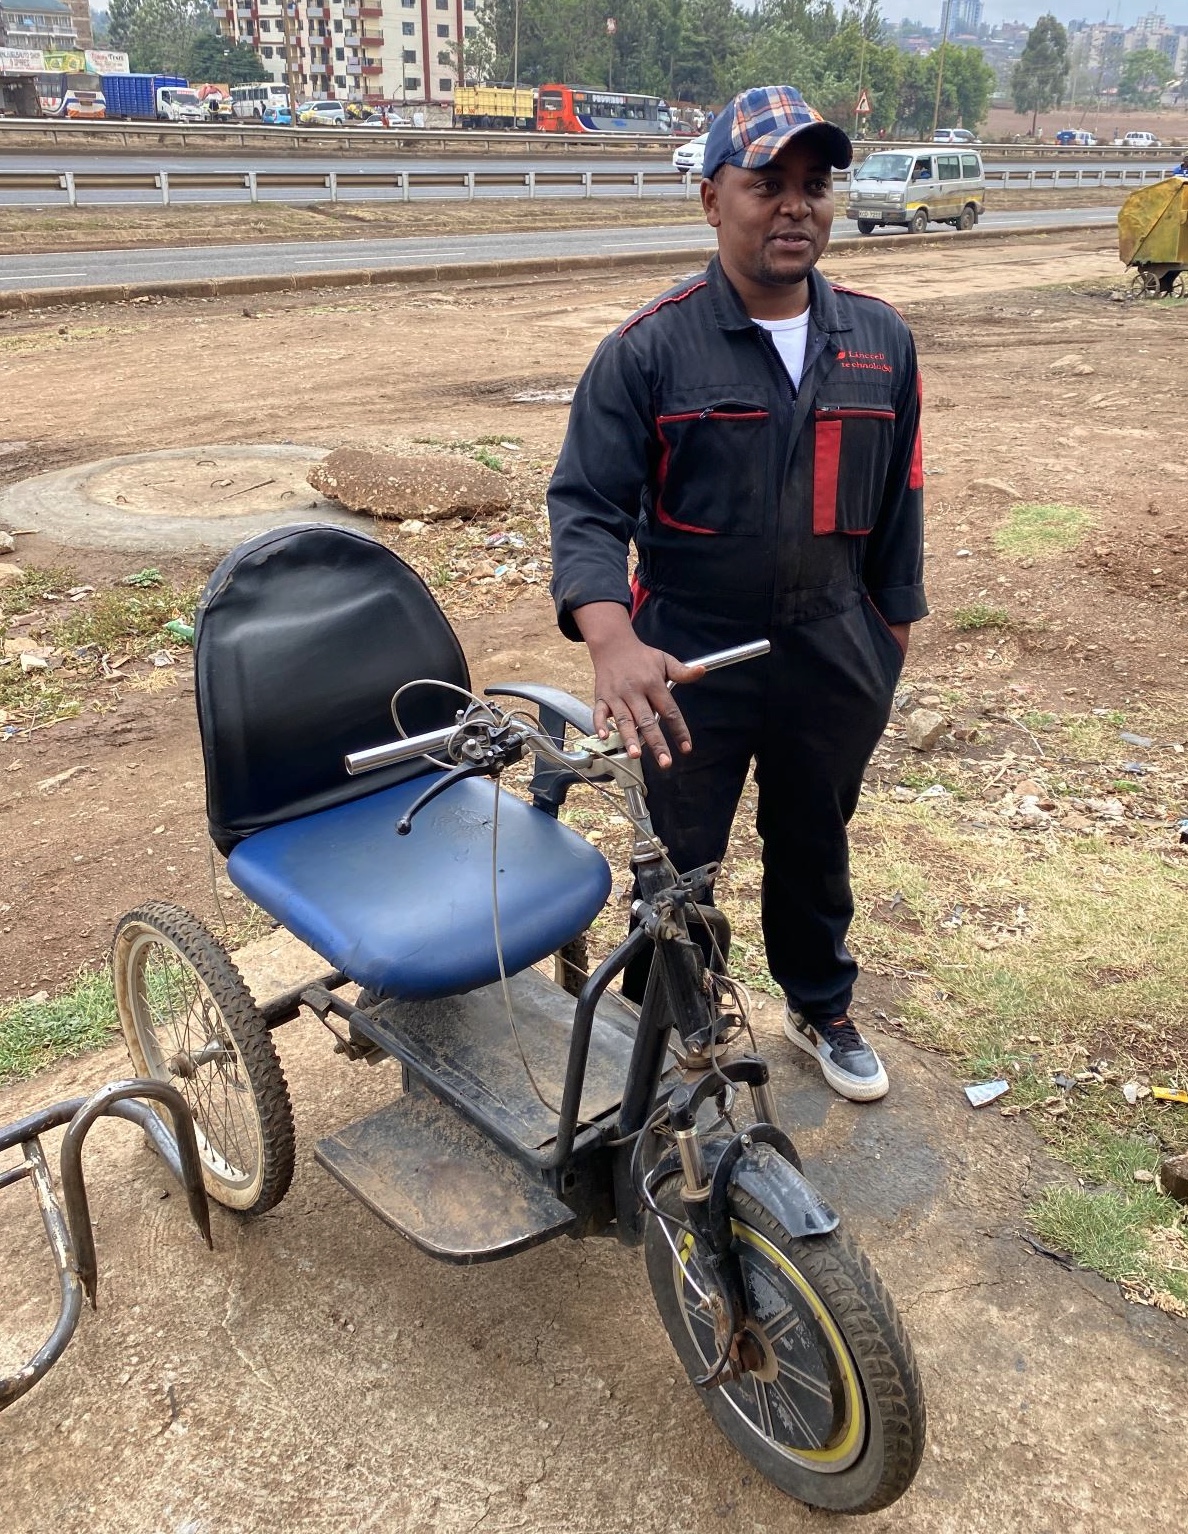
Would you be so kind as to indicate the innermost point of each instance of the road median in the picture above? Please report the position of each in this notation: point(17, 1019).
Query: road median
point(30, 299)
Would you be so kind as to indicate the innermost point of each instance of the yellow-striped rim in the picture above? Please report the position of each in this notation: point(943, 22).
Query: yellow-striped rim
point(843, 1450)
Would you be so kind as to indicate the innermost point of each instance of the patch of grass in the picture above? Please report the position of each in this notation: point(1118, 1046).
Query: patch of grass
point(144, 579)
point(32, 587)
point(924, 774)
point(122, 619)
point(1133, 1238)
point(485, 456)
point(978, 616)
point(34, 1034)
point(1033, 530)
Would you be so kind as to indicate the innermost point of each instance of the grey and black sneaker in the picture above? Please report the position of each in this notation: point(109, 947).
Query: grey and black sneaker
point(850, 1065)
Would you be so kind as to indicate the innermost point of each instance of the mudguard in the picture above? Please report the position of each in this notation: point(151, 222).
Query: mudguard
point(772, 1181)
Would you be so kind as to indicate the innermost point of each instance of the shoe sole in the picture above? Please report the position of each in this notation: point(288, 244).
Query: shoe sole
point(866, 1091)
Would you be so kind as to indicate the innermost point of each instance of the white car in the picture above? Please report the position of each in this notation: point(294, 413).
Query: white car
point(688, 158)
point(329, 112)
point(1138, 139)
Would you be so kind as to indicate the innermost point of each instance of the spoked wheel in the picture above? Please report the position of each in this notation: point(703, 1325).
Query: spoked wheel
point(188, 1019)
point(1145, 284)
point(832, 1410)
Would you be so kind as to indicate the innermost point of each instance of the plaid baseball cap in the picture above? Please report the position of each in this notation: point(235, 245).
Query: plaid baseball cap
point(752, 129)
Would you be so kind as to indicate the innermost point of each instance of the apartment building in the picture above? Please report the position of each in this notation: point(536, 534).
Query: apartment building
point(45, 26)
point(402, 51)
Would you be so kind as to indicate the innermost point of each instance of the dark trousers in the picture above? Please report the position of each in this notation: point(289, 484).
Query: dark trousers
point(808, 715)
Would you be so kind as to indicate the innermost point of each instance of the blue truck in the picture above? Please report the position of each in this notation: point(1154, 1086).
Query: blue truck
point(151, 98)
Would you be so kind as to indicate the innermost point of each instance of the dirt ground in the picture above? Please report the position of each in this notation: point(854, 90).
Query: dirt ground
point(302, 1376)
point(1169, 124)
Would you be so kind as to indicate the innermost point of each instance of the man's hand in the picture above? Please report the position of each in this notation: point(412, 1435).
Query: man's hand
point(903, 634)
point(631, 683)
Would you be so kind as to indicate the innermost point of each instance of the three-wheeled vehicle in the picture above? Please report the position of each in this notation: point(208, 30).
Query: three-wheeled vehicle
point(534, 1100)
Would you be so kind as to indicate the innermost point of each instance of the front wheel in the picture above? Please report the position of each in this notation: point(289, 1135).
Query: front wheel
point(919, 221)
point(834, 1416)
point(866, 226)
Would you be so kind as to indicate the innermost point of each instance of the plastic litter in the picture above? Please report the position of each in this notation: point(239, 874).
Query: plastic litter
point(983, 1092)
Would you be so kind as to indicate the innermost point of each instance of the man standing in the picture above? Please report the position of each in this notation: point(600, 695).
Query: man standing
point(755, 431)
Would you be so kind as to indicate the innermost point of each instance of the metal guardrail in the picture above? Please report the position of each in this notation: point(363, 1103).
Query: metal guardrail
point(400, 184)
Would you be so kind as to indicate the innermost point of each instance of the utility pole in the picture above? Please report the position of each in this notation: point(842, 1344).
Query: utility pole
point(947, 6)
point(516, 56)
point(861, 81)
point(288, 14)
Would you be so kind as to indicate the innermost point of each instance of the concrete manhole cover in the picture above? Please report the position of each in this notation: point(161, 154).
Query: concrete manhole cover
point(184, 500)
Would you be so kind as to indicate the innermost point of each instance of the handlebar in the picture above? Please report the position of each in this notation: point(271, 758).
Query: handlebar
point(373, 757)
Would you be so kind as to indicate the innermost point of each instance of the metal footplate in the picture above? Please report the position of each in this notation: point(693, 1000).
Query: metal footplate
point(425, 1172)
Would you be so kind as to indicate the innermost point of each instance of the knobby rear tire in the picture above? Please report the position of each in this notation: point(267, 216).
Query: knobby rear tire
point(846, 1284)
point(240, 1099)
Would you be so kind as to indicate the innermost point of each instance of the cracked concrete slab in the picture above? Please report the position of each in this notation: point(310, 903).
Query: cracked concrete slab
point(315, 1373)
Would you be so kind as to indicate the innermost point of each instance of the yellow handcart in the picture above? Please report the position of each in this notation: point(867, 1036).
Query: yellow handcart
point(1153, 238)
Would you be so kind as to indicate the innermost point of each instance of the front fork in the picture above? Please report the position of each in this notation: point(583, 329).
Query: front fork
point(705, 1193)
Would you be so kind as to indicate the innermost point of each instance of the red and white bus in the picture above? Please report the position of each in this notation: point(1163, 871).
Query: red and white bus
point(579, 109)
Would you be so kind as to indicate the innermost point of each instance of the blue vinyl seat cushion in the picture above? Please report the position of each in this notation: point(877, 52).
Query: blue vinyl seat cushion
point(410, 916)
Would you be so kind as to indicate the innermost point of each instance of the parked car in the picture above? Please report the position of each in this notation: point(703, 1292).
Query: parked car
point(278, 116)
point(1138, 138)
point(327, 113)
point(1078, 136)
point(689, 158)
point(955, 136)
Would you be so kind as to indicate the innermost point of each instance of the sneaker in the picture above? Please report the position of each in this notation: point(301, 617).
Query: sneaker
point(850, 1065)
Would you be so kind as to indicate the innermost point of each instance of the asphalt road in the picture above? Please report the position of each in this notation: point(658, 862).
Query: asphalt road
point(128, 266)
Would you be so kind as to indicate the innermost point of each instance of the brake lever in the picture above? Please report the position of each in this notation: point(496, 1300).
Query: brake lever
point(455, 775)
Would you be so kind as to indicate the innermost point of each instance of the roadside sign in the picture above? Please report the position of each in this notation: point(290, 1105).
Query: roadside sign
point(863, 107)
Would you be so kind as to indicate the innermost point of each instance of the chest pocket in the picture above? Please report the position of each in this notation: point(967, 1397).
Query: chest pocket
point(851, 452)
point(712, 476)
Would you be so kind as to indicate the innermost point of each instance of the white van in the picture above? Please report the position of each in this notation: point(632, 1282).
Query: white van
point(912, 188)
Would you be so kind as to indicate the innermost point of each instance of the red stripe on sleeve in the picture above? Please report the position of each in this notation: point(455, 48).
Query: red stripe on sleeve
point(826, 460)
point(916, 473)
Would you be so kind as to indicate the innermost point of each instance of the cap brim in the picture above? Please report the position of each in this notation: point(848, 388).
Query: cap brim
point(763, 150)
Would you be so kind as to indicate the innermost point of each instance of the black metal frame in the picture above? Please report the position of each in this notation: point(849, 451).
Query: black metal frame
point(70, 1233)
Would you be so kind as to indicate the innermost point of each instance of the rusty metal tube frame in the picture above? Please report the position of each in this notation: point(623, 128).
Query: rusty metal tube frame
point(71, 1236)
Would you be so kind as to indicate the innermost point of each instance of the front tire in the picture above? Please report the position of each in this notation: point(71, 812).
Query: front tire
point(866, 226)
point(189, 1020)
point(919, 221)
point(836, 1416)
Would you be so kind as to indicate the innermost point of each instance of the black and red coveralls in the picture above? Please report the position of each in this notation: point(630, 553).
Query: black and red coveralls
point(758, 511)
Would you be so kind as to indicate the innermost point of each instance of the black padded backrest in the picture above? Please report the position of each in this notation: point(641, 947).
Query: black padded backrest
point(301, 637)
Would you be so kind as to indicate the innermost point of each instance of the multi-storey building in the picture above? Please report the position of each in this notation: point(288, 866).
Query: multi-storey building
point(43, 25)
point(401, 51)
point(84, 28)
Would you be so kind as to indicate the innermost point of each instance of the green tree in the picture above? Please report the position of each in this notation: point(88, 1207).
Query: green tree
point(163, 32)
point(220, 61)
point(972, 81)
point(1142, 77)
point(1037, 83)
point(120, 16)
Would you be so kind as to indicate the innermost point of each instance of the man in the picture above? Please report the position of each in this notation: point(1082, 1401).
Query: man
point(755, 432)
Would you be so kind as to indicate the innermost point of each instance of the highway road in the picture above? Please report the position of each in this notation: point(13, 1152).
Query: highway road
point(71, 268)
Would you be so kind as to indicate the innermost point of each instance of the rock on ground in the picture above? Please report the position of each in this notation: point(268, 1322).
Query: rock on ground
point(924, 728)
point(430, 488)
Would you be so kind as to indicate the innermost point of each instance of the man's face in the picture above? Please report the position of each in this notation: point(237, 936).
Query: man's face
point(773, 224)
